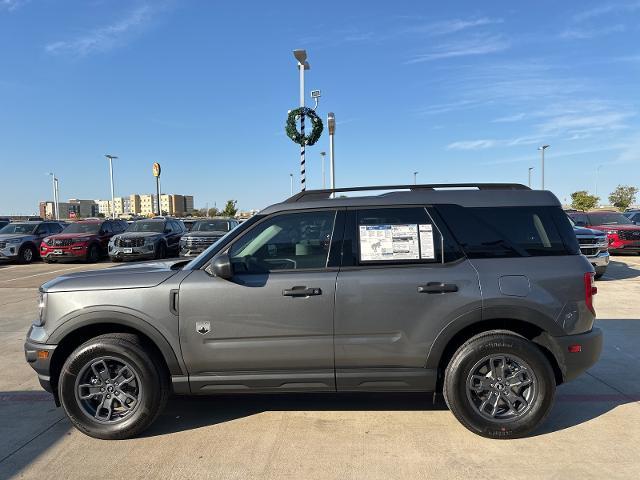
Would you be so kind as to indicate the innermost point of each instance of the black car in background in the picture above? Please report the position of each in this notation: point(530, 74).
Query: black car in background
point(204, 233)
point(4, 221)
point(633, 215)
point(156, 237)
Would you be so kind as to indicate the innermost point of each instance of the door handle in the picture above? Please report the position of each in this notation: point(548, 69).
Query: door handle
point(438, 287)
point(301, 292)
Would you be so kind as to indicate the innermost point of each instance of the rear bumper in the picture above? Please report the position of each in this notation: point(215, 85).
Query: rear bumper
point(573, 364)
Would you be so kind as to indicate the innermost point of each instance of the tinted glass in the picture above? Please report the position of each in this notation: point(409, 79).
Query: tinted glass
point(55, 228)
point(580, 219)
point(211, 226)
point(510, 231)
point(397, 235)
point(25, 228)
point(608, 218)
point(80, 227)
point(154, 226)
point(285, 242)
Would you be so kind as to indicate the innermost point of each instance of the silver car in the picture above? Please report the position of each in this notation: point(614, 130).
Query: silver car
point(478, 291)
point(20, 241)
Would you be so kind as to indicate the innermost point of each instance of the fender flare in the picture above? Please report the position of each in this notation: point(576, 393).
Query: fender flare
point(125, 319)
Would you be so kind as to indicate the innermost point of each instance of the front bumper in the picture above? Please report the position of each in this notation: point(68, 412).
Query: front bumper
point(145, 251)
point(10, 252)
point(600, 260)
point(61, 253)
point(38, 356)
point(573, 364)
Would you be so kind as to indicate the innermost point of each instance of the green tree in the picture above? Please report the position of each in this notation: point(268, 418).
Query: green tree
point(623, 196)
point(213, 212)
point(230, 209)
point(582, 200)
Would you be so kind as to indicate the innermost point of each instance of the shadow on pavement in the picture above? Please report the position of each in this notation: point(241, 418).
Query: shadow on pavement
point(619, 270)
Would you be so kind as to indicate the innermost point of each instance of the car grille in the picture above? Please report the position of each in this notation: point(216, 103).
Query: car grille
point(59, 242)
point(587, 241)
point(588, 251)
point(200, 242)
point(129, 242)
point(629, 234)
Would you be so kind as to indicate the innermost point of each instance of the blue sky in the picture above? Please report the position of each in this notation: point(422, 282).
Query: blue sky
point(459, 91)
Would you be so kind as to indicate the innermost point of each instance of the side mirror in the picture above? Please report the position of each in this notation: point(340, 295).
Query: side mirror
point(221, 267)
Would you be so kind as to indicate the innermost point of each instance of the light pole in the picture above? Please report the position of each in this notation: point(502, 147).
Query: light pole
point(331, 123)
point(57, 187)
point(530, 168)
point(415, 178)
point(113, 198)
point(55, 196)
point(324, 185)
point(542, 149)
point(291, 179)
point(301, 57)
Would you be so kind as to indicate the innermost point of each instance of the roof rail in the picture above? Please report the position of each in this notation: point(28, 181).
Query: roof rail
point(326, 193)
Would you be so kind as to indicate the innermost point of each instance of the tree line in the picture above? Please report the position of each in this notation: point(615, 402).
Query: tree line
point(622, 198)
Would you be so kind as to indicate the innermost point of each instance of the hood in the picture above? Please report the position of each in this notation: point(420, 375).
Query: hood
point(144, 275)
point(8, 236)
point(139, 234)
point(61, 236)
point(588, 231)
point(616, 227)
point(212, 233)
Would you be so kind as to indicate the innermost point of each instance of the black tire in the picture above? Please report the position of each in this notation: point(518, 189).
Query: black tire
point(600, 272)
point(27, 254)
point(46, 260)
point(161, 250)
point(93, 253)
point(116, 259)
point(460, 397)
point(150, 378)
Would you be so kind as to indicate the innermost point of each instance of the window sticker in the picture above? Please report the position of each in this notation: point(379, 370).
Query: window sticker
point(427, 249)
point(389, 242)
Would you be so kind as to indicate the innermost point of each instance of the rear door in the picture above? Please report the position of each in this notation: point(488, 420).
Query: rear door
point(402, 282)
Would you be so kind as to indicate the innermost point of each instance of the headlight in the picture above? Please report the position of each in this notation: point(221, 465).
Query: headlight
point(46, 240)
point(42, 305)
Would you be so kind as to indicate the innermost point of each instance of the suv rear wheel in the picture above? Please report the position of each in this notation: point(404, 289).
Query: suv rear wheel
point(499, 385)
point(111, 387)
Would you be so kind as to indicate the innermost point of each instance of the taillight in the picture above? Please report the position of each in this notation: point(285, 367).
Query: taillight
point(589, 290)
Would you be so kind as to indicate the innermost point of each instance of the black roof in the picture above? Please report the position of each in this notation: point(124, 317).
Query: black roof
point(464, 194)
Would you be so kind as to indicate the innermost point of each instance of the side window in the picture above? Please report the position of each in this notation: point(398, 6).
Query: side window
point(168, 227)
point(397, 235)
point(580, 219)
point(291, 241)
point(179, 226)
point(43, 229)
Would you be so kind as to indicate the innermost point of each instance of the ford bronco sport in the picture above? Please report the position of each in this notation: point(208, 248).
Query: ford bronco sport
point(478, 291)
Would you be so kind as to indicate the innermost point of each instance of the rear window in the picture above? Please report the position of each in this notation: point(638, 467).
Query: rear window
point(499, 232)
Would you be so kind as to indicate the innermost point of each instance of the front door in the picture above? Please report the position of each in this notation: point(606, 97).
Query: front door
point(402, 282)
point(271, 326)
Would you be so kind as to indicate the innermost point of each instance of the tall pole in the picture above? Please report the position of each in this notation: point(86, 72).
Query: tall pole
point(158, 195)
point(303, 179)
point(542, 149)
point(57, 197)
point(113, 197)
point(55, 203)
point(291, 179)
point(530, 168)
point(331, 123)
point(415, 178)
point(324, 185)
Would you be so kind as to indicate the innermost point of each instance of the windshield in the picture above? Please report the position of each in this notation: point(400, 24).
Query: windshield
point(26, 228)
point(609, 219)
point(211, 226)
point(82, 228)
point(146, 226)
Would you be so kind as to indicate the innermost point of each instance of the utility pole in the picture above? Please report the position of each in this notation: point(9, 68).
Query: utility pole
point(415, 178)
point(542, 149)
point(111, 158)
point(331, 123)
point(530, 168)
point(55, 201)
point(301, 57)
point(57, 195)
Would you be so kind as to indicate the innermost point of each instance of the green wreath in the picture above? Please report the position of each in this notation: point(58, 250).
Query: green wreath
point(292, 127)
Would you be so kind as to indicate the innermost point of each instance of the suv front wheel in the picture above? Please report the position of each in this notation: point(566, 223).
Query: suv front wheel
point(499, 385)
point(111, 387)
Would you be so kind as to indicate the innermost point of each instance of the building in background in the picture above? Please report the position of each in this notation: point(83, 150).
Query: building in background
point(82, 208)
point(134, 204)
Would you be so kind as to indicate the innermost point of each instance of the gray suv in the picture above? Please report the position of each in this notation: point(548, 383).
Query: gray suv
point(478, 291)
point(20, 241)
point(203, 233)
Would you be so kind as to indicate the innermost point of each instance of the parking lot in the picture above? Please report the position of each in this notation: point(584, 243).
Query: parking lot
point(593, 431)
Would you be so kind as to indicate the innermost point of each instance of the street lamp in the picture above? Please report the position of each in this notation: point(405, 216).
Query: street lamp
point(530, 168)
point(324, 185)
point(415, 178)
point(56, 214)
point(331, 124)
point(301, 57)
point(291, 178)
point(113, 198)
point(542, 149)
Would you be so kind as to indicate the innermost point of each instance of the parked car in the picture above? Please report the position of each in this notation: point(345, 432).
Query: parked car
point(152, 238)
point(86, 240)
point(624, 235)
point(4, 221)
point(633, 215)
point(19, 241)
point(204, 233)
point(480, 293)
point(595, 246)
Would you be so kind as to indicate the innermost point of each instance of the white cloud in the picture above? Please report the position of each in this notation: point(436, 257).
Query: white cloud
point(510, 118)
point(471, 145)
point(451, 26)
point(479, 45)
point(606, 9)
point(105, 38)
point(11, 5)
point(585, 33)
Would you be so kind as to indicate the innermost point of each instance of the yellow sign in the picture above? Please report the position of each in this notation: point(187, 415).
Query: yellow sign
point(156, 169)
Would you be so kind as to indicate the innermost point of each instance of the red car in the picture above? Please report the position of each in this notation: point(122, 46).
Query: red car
point(624, 235)
point(86, 240)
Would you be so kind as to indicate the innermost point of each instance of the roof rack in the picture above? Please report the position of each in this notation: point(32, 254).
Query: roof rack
point(326, 193)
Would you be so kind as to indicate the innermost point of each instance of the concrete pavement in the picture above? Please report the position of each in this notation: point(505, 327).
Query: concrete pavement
point(593, 431)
